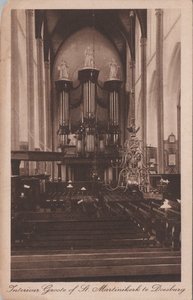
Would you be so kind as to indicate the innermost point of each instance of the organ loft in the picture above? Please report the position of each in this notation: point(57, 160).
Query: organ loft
point(95, 145)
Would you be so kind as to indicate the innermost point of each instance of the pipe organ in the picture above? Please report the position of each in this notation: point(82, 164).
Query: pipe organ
point(63, 87)
point(93, 138)
point(113, 87)
point(114, 109)
point(89, 99)
point(88, 78)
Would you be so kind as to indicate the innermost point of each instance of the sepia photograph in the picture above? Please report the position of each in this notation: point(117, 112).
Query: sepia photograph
point(96, 174)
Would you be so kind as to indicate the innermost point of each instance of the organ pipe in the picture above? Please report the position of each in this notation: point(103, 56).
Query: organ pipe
point(64, 109)
point(89, 99)
point(114, 108)
point(63, 87)
point(89, 141)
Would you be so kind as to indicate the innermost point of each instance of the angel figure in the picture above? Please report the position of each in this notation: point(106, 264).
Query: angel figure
point(63, 70)
point(114, 69)
point(89, 58)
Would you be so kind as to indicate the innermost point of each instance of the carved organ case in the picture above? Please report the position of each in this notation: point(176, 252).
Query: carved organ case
point(89, 94)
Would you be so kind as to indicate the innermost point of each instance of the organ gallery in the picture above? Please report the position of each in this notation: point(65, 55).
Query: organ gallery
point(95, 145)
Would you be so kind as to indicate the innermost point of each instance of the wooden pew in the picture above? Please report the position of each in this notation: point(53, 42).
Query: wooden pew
point(106, 263)
point(165, 225)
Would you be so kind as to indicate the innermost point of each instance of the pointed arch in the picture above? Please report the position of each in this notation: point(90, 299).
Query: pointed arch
point(174, 78)
point(172, 91)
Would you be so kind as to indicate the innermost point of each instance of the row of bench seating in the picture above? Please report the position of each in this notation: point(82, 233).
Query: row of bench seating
point(104, 264)
point(164, 224)
point(107, 240)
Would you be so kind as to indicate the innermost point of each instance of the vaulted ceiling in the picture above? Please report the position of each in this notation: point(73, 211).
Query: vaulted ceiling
point(117, 25)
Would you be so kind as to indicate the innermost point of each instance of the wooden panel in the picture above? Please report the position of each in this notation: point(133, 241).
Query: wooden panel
point(64, 231)
point(130, 251)
point(69, 224)
point(36, 155)
point(84, 244)
point(102, 254)
point(81, 272)
point(93, 236)
point(94, 262)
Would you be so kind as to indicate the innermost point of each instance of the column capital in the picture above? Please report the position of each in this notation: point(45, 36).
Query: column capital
point(30, 12)
point(47, 64)
point(143, 41)
point(132, 64)
point(159, 12)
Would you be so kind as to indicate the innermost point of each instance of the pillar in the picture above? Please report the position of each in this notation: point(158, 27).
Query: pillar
point(132, 68)
point(179, 136)
point(127, 89)
point(48, 126)
point(132, 93)
point(47, 121)
point(59, 172)
point(63, 171)
point(30, 75)
point(14, 83)
point(144, 90)
point(40, 85)
point(159, 79)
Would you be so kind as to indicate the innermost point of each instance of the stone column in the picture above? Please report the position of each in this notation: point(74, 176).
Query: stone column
point(48, 124)
point(64, 173)
point(69, 172)
point(179, 136)
point(59, 171)
point(144, 90)
point(30, 75)
point(48, 128)
point(128, 59)
point(159, 78)
point(127, 89)
point(14, 82)
point(132, 68)
point(39, 43)
point(132, 93)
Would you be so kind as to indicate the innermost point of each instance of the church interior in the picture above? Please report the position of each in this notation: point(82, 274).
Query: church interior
point(95, 145)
